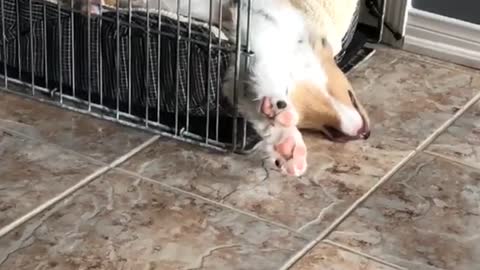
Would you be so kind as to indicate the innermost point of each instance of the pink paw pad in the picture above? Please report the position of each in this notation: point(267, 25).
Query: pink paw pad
point(280, 112)
point(292, 154)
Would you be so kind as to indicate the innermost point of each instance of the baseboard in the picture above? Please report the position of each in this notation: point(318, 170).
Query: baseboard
point(443, 38)
point(396, 15)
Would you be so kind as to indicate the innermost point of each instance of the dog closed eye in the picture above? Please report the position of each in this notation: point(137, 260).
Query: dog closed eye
point(352, 99)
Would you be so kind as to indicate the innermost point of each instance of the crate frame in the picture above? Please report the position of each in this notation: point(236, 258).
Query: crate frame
point(243, 140)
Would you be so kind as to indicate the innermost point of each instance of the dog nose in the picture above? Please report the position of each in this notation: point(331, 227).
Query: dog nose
point(365, 135)
point(281, 104)
point(364, 132)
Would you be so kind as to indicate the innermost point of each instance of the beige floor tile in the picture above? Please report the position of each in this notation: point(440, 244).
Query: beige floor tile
point(408, 98)
point(461, 140)
point(118, 222)
point(425, 217)
point(102, 140)
point(32, 172)
point(327, 257)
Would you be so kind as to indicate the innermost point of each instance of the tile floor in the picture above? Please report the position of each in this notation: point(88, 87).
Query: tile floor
point(177, 206)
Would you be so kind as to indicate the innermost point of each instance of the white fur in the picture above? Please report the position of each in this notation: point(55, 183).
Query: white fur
point(350, 120)
point(282, 52)
point(283, 55)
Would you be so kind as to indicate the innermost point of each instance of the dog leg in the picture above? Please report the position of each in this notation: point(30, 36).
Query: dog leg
point(275, 120)
point(283, 140)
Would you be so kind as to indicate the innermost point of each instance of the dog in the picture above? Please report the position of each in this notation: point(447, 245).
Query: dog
point(331, 108)
point(292, 80)
point(324, 99)
point(282, 55)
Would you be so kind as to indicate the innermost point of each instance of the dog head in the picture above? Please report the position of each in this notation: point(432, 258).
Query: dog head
point(335, 110)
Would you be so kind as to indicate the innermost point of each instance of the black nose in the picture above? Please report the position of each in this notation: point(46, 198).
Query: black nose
point(281, 104)
point(365, 135)
point(336, 135)
point(364, 132)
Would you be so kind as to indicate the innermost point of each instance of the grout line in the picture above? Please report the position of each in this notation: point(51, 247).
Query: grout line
point(292, 260)
point(361, 254)
point(293, 231)
point(216, 203)
point(176, 189)
point(453, 160)
point(8, 228)
point(190, 194)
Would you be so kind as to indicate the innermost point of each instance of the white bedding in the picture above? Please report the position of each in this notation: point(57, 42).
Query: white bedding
point(108, 8)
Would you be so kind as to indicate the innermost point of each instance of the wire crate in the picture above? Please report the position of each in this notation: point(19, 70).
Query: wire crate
point(152, 70)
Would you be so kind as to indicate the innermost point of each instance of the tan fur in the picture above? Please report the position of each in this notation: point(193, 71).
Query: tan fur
point(314, 110)
point(328, 18)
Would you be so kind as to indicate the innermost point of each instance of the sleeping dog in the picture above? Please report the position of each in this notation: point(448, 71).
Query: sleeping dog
point(288, 82)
